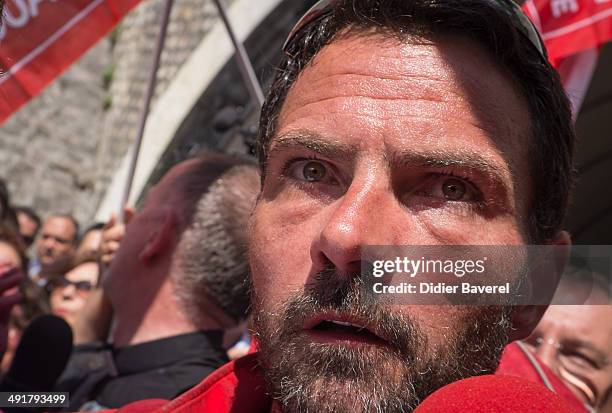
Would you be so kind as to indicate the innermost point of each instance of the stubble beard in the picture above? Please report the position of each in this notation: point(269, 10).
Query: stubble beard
point(307, 376)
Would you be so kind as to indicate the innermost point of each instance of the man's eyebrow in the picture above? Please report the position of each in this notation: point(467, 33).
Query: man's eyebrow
point(442, 159)
point(324, 146)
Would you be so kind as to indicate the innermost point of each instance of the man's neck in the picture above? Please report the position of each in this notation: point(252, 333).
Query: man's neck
point(161, 318)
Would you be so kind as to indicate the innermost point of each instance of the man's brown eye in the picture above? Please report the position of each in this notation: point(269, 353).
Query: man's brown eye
point(454, 189)
point(314, 171)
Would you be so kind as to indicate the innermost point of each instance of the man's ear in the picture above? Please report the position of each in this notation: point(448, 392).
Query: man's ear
point(161, 239)
point(542, 286)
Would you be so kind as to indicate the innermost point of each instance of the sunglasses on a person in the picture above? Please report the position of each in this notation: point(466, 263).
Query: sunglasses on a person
point(63, 282)
point(519, 20)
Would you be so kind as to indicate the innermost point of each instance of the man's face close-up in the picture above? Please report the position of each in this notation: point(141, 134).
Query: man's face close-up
point(381, 142)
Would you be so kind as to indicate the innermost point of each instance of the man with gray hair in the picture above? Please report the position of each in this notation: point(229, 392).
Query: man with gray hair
point(177, 281)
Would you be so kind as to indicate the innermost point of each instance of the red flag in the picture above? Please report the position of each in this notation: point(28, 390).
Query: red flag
point(39, 39)
point(571, 26)
point(573, 31)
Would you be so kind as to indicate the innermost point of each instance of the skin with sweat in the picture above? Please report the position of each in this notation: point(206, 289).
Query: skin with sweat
point(382, 142)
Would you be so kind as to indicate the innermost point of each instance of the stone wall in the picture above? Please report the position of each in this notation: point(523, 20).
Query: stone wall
point(59, 152)
point(48, 148)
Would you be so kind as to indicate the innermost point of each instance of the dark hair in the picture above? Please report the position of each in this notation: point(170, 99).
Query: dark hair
point(98, 226)
point(7, 213)
point(5, 198)
point(552, 129)
point(30, 214)
point(35, 302)
point(13, 238)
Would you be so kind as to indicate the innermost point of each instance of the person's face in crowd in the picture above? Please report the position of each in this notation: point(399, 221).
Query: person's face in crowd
point(27, 227)
point(575, 341)
point(9, 257)
point(69, 293)
point(90, 243)
point(55, 246)
point(383, 143)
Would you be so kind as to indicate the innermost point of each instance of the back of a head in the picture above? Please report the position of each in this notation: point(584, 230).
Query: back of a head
point(212, 252)
point(29, 212)
point(29, 223)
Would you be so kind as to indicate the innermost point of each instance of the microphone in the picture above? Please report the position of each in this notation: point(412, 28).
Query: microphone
point(493, 394)
point(41, 356)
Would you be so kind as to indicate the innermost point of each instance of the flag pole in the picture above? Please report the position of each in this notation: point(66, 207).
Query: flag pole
point(244, 64)
point(144, 113)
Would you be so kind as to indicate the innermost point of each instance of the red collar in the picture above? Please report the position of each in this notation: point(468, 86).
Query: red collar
point(238, 387)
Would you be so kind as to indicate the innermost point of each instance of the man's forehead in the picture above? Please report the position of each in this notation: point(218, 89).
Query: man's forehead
point(395, 80)
point(59, 222)
point(455, 74)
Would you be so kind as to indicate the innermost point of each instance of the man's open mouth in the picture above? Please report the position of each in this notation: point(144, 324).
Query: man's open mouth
point(335, 329)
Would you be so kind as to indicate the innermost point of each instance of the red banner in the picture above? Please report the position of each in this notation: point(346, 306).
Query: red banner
point(571, 26)
point(39, 39)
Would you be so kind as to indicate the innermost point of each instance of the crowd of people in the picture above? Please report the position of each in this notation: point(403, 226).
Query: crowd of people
point(175, 284)
point(261, 264)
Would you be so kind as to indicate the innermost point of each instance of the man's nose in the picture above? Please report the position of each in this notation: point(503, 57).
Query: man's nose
point(367, 214)
point(49, 243)
point(547, 353)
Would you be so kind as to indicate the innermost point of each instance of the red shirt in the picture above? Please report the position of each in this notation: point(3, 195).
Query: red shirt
point(239, 387)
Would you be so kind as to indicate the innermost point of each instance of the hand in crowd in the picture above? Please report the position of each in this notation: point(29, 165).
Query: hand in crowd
point(10, 277)
point(94, 320)
point(112, 235)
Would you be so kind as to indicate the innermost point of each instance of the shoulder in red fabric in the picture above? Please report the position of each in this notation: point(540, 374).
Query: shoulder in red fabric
point(237, 387)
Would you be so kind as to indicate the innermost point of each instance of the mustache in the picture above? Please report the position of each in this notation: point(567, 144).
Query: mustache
point(347, 295)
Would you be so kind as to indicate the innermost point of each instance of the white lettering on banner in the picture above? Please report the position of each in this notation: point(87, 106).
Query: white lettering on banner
point(602, 1)
point(560, 7)
point(34, 7)
point(19, 15)
point(22, 16)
